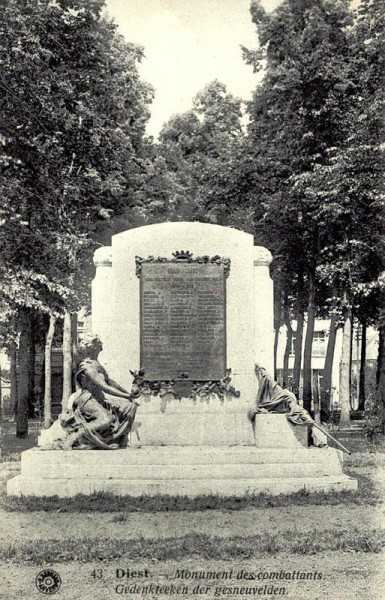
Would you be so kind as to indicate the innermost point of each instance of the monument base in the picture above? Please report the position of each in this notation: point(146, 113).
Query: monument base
point(180, 471)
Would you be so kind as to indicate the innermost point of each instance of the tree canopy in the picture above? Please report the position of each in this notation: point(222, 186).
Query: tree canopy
point(200, 148)
point(313, 155)
point(73, 114)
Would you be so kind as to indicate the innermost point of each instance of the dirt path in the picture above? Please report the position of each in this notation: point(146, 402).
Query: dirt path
point(343, 577)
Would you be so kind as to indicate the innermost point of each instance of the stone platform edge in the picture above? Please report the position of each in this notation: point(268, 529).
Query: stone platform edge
point(70, 488)
point(176, 471)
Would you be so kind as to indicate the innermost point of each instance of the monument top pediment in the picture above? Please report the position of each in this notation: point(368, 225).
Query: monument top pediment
point(180, 227)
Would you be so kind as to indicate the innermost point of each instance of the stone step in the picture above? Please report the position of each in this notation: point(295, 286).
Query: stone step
point(68, 488)
point(99, 470)
point(176, 470)
point(179, 455)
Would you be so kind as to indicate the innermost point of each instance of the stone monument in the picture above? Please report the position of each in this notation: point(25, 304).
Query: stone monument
point(183, 299)
point(187, 310)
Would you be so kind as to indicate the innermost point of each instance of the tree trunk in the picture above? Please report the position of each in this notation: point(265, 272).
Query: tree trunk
point(74, 338)
point(381, 353)
point(380, 390)
point(40, 378)
point(316, 399)
point(67, 360)
point(277, 327)
point(351, 367)
point(289, 340)
point(13, 375)
point(307, 354)
point(345, 370)
point(31, 376)
point(298, 350)
point(26, 373)
point(326, 389)
point(298, 337)
point(47, 382)
point(361, 387)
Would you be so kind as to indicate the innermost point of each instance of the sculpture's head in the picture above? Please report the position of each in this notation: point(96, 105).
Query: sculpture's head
point(89, 347)
point(260, 372)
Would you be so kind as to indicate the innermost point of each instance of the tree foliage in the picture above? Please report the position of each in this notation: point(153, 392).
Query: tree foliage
point(200, 150)
point(73, 112)
point(312, 151)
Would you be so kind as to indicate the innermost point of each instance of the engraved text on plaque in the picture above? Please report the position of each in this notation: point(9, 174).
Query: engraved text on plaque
point(183, 321)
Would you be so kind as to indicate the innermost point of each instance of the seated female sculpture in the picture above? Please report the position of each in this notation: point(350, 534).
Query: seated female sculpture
point(95, 421)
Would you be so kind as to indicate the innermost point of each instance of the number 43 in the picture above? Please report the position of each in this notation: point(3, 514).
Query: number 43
point(97, 574)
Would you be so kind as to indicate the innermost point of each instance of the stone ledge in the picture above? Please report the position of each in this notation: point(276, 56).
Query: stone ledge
point(173, 470)
point(68, 488)
point(180, 455)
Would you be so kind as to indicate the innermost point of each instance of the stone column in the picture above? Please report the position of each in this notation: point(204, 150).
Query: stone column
point(264, 309)
point(102, 297)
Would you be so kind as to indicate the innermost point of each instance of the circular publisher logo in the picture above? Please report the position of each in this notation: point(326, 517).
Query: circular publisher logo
point(48, 581)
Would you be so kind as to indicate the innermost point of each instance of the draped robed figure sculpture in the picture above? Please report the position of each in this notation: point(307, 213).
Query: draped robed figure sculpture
point(274, 399)
point(94, 420)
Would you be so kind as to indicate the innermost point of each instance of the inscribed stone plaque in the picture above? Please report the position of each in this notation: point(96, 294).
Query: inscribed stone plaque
point(183, 321)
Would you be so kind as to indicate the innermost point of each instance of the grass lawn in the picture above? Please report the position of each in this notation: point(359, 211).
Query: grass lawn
point(327, 546)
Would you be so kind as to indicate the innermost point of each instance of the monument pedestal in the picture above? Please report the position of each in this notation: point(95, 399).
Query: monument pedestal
point(190, 470)
point(180, 471)
point(273, 430)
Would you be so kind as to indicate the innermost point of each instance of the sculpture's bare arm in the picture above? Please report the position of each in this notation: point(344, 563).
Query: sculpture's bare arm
point(116, 385)
point(96, 378)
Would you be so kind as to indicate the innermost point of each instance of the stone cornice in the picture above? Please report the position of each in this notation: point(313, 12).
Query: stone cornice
point(262, 256)
point(103, 257)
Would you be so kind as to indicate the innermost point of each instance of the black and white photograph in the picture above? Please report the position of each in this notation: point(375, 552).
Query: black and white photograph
point(192, 299)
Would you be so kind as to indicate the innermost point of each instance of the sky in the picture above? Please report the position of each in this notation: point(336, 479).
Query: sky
point(187, 44)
